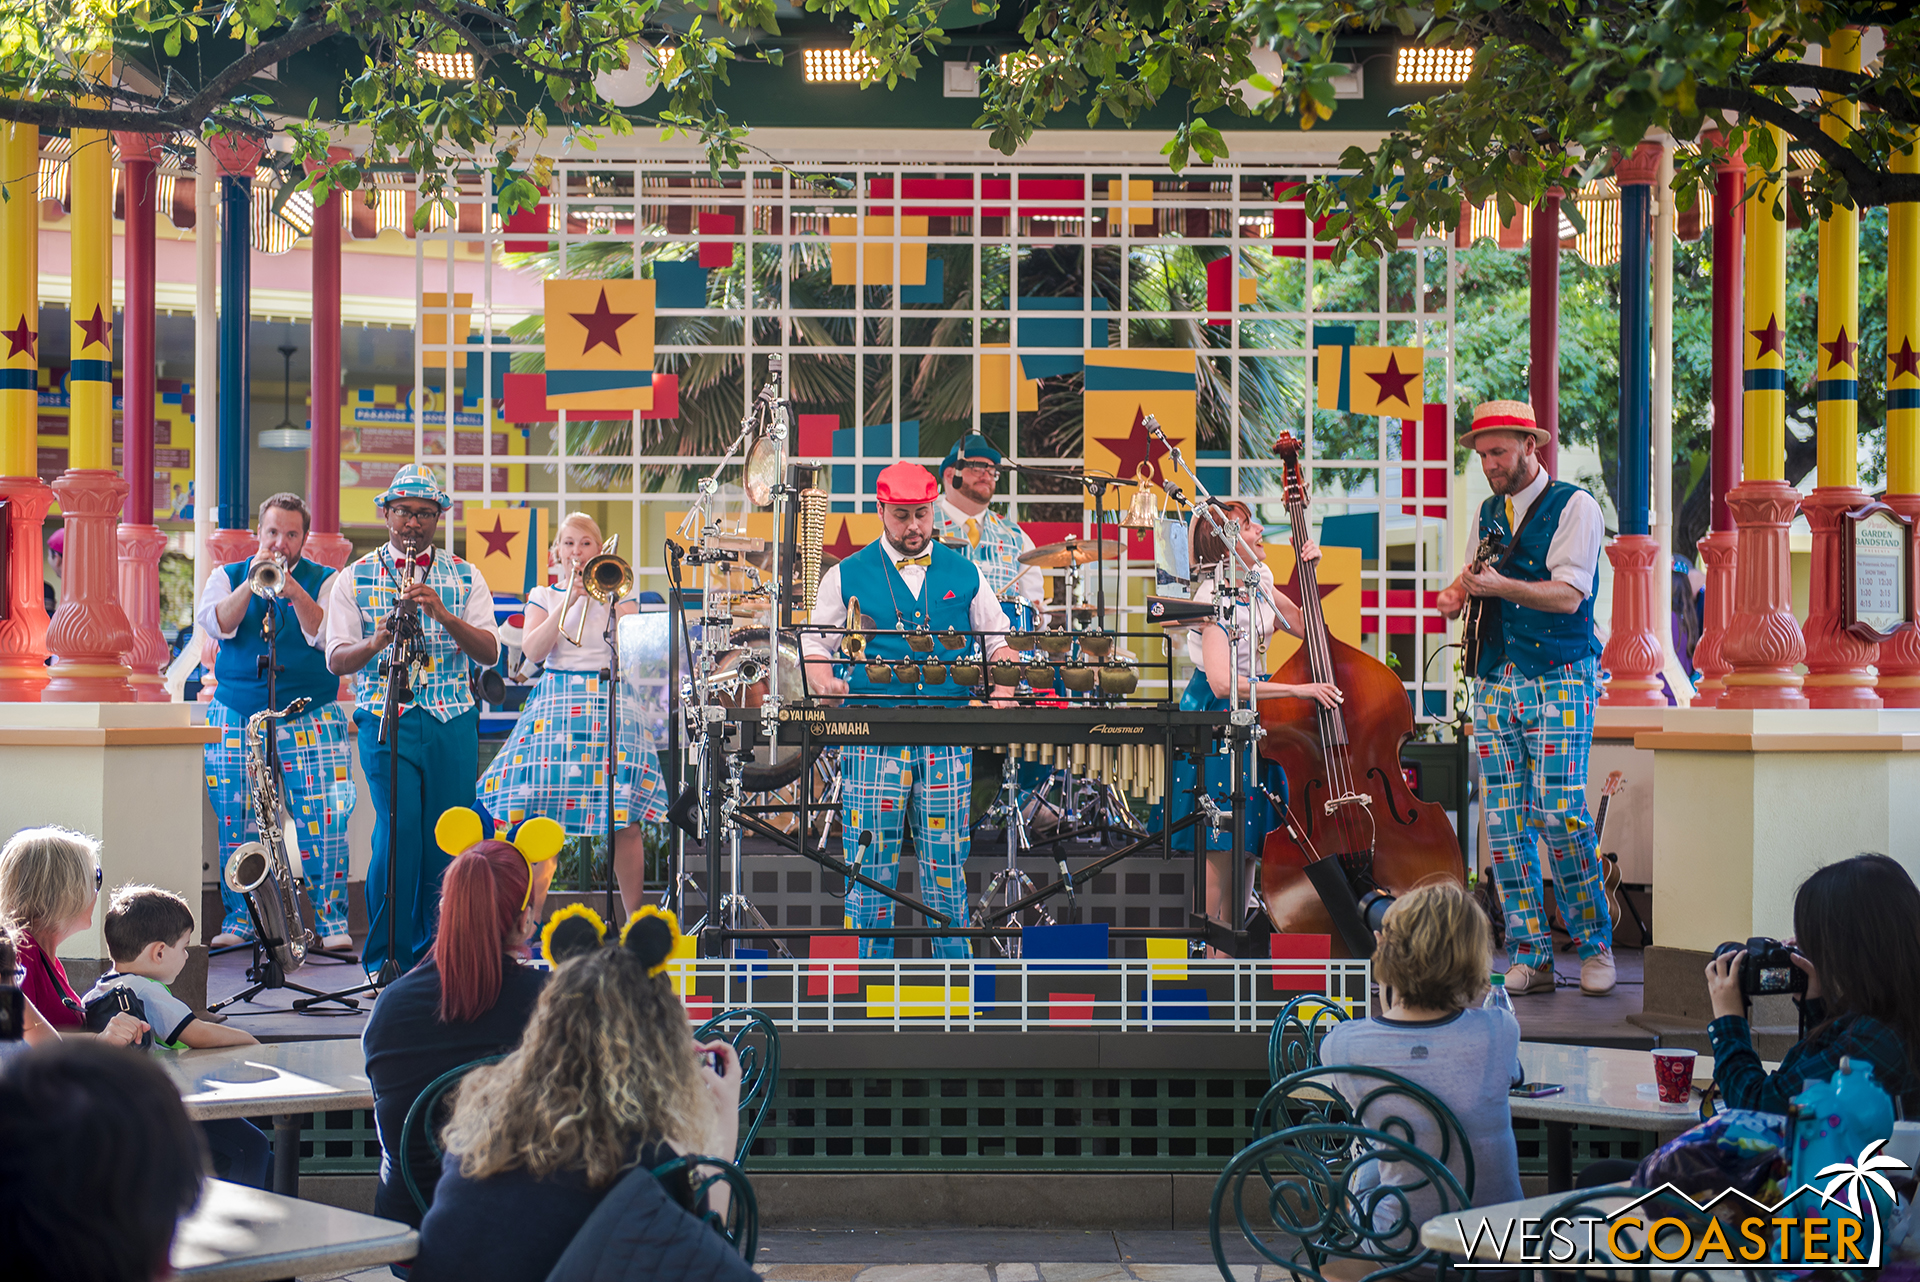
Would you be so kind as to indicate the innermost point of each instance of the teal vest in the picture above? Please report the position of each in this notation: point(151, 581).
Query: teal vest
point(1534, 640)
point(303, 668)
point(945, 601)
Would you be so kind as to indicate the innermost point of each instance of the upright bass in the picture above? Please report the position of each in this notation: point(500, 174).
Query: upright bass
point(1352, 825)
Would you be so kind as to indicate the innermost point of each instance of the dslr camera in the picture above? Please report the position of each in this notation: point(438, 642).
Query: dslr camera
point(1768, 969)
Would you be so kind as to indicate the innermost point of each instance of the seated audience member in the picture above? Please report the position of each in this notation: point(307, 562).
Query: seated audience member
point(148, 931)
point(30, 1029)
point(470, 999)
point(1855, 932)
point(606, 1079)
point(49, 883)
point(98, 1162)
point(1432, 962)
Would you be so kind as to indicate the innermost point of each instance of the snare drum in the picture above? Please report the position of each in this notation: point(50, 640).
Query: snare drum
point(1021, 615)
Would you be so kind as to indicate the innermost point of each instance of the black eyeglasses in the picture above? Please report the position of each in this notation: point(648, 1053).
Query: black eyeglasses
point(413, 516)
point(99, 878)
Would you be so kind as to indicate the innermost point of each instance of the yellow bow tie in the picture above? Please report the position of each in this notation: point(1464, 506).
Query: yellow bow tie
point(914, 560)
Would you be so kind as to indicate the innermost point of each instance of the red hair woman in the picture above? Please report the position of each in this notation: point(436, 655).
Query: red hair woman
point(471, 998)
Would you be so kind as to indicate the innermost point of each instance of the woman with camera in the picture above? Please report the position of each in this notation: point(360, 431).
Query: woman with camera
point(606, 1079)
point(1857, 943)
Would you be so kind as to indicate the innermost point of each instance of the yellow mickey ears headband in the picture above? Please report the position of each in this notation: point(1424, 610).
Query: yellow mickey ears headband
point(573, 930)
point(539, 839)
point(651, 934)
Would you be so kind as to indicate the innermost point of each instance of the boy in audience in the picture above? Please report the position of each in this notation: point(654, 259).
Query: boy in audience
point(148, 931)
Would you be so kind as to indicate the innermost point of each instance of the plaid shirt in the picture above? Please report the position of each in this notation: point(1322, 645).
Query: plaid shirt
point(1744, 1084)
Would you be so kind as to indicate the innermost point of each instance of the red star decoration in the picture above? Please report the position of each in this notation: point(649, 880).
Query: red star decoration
point(20, 339)
point(1840, 351)
point(1772, 338)
point(98, 330)
point(1292, 586)
point(1905, 361)
point(499, 540)
point(843, 546)
point(1393, 376)
point(603, 325)
point(1135, 448)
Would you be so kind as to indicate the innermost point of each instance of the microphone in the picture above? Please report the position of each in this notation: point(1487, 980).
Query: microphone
point(860, 852)
point(1152, 425)
point(1066, 875)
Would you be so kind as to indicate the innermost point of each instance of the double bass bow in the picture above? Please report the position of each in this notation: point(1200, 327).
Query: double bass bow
point(1352, 824)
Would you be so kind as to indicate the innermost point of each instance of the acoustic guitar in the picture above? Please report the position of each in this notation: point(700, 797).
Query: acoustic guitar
point(1610, 862)
point(1481, 623)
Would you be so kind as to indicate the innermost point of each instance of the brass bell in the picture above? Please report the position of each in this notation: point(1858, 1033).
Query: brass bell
point(1079, 677)
point(1118, 677)
point(1144, 514)
point(920, 641)
point(880, 672)
point(854, 639)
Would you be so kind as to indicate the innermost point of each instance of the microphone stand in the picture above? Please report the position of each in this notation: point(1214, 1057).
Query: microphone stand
point(407, 638)
point(1097, 486)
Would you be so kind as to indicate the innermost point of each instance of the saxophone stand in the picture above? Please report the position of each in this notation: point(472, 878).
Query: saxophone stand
point(266, 972)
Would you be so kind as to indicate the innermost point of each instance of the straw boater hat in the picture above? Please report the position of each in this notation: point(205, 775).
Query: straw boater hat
point(1505, 416)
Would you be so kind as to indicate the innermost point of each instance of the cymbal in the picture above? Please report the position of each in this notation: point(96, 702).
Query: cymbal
point(1057, 556)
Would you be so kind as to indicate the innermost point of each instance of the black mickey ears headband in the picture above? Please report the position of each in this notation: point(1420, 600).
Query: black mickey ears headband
point(651, 934)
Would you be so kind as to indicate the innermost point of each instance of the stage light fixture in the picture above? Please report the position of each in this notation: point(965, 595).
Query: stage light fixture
point(447, 66)
point(838, 66)
point(1424, 65)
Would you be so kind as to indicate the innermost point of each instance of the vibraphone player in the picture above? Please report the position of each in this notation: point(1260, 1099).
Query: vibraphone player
point(904, 581)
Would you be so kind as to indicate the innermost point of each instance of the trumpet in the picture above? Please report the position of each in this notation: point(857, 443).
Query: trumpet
point(269, 578)
point(607, 578)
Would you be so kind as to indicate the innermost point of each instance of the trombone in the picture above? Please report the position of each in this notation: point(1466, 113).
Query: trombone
point(607, 578)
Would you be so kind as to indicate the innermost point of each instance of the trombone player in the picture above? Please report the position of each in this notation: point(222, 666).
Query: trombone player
point(278, 583)
point(554, 762)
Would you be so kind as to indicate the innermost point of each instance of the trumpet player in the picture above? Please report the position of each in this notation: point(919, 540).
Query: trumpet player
point(279, 585)
point(438, 738)
point(555, 760)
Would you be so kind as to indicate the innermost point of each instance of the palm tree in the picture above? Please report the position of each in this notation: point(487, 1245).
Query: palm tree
point(1863, 1174)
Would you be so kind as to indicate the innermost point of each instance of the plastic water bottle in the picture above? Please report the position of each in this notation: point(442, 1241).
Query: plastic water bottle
point(1497, 998)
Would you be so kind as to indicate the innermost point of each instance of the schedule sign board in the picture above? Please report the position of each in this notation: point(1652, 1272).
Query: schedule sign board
point(1877, 549)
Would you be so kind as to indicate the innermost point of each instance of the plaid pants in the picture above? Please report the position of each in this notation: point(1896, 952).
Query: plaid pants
point(881, 790)
point(1534, 734)
point(317, 783)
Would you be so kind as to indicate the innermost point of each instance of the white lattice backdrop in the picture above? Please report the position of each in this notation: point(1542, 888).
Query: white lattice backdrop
point(1121, 256)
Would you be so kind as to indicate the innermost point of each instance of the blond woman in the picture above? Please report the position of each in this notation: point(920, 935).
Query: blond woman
point(49, 883)
point(554, 762)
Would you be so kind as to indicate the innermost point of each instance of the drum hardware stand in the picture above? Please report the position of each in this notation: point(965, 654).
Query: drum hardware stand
point(1011, 881)
point(735, 909)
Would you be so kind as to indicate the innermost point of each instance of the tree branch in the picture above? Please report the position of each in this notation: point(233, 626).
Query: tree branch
point(188, 116)
point(1847, 84)
point(1866, 185)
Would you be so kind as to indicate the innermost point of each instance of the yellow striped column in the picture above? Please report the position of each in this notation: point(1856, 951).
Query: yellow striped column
point(1840, 665)
point(90, 632)
point(1765, 642)
point(23, 633)
point(1900, 657)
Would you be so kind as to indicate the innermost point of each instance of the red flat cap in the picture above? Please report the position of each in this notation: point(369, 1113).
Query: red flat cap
point(907, 483)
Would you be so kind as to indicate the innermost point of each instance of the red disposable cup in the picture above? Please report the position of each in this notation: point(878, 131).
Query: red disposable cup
point(1673, 1071)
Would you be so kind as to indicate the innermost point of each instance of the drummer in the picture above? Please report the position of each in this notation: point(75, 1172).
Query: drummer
point(554, 762)
point(905, 579)
point(969, 476)
point(1216, 660)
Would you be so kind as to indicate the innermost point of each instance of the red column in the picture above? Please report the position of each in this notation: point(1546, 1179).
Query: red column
point(1634, 655)
point(1543, 281)
point(1717, 549)
point(326, 544)
point(141, 542)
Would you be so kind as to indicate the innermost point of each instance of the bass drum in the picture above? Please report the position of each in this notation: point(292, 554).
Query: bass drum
point(768, 769)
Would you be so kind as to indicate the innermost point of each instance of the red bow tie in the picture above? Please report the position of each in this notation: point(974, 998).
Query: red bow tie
point(424, 560)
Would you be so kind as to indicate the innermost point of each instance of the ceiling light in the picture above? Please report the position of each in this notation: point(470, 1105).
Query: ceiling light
point(447, 66)
point(1423, 65)
point(838, 66)
point(1015, 65)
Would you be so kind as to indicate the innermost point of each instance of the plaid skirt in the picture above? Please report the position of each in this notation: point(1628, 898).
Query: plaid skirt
point(554, 762)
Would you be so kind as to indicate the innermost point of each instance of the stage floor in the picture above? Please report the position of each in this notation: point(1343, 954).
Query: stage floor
point(1565, 1015)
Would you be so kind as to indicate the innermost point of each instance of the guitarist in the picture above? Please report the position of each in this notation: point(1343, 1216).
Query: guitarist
point(1536, 681)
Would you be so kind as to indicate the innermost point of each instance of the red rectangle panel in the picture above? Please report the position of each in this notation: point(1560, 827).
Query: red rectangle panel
point(1070, 1008)
point(833, 959)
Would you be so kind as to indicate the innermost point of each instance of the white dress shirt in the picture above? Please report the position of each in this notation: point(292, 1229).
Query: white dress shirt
point(1267, 621)
point(984, 614)
point(593, 653)
point(1574, 554)
point(1031, 582)
point(346, 625)
point(217, 589)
